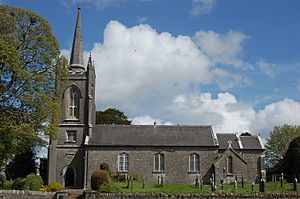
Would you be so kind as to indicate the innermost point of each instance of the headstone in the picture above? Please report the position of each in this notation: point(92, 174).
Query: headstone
point(143, 182)
point(235, 185)
point(212, 185)
point(281, 180)
point(131, 185)
point(243, 183)
point(252, 186)
point(201, 185)
point(262, 185)
point(222, 183)
point(213, 178)
point(295, 184)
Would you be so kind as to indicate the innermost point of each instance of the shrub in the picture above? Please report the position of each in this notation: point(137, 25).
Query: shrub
point(104, 166)
point(134, 176)
point(99, 178)
point(34, 182)
point(19, 184)
point(54, 186)
point(109, 188)
point(7, 185)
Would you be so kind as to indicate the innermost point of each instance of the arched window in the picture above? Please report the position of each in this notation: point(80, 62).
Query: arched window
point(159, 162)
point(74, 104)
point(123, 162)
point(229, 165)
point(194, 163)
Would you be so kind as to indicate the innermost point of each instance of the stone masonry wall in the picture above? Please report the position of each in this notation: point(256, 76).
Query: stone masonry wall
point(141, 161)
point(13, 194)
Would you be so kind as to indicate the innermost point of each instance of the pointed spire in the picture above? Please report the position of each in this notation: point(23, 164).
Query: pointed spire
point(76, 60)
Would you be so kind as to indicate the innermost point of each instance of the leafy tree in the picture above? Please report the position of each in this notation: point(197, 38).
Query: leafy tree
point(22, 165)
point(278, 143)
point(291, 161)
point(29, 66)
point(112, 116)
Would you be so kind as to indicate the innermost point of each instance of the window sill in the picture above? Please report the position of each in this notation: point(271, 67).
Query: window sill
point(230, 174)
point(193, 172)
point(70, 142)
point(71, 120)
point(158, 172)
point(123, 171)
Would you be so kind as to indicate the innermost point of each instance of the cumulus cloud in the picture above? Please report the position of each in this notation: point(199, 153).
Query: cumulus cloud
point(223, 48)
point(266, 67)
point(148, 120)
point(227, 114)
point(155, 76)
point(200, 7)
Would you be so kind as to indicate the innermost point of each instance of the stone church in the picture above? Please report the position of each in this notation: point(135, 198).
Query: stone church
point(179, 154)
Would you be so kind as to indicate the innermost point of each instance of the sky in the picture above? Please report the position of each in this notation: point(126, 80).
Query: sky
point(232, 64)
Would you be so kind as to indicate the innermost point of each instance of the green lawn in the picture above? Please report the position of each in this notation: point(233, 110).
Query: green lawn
point(271, 188)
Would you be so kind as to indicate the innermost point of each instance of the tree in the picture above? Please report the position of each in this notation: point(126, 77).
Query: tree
point(112, 116)
point(291, 161)
point(22, 165)
point(278, 143)
point(29, 65)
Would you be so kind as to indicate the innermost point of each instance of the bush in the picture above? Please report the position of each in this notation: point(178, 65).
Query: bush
point(134, 176)
point(109, 188)
point(54, 186)
point(99, 178)
point(7, 185)
point(104, 166)
point(19, 184)
point(34, 182)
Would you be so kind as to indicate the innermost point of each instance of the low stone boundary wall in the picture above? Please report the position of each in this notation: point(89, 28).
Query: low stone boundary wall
point(18, 194)
point(94, 195)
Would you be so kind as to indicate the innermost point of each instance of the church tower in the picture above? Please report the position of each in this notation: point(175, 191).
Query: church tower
point(66, 156)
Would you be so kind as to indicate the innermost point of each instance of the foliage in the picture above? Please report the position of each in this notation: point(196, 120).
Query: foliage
point(7, 185)
point(54, 186)
point(19, 184)
point(104, 166)
point(99, 177)
point(112, 116)
point(278, 143)
point(22, 165)
point(29, 66)
point(109, 188)
point(43, 169)
point(34, 182)
point(134, 176)
point(291, 165)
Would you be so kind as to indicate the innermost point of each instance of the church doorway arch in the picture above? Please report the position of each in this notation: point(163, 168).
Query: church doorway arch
point(70, 177)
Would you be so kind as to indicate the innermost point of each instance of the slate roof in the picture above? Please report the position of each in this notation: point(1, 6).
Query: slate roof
point(239, 141)
point(251, 142)
point(152, 135)
point(223, 139)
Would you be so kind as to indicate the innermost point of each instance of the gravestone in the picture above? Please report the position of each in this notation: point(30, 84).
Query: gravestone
point(262, 185)
point(295, 184)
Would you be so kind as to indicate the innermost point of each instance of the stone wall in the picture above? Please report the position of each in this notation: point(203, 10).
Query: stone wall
point(92, 195)
point(13, 194)
point(141, 161)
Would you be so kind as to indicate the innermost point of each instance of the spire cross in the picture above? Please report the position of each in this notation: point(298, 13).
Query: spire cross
point(229, 143)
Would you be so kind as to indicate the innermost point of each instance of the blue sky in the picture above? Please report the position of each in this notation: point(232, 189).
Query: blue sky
point(234, 64)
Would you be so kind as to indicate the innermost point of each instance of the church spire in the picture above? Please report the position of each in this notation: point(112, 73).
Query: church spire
point(76, 60)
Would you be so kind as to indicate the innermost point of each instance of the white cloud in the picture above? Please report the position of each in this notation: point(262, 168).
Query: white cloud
point(155, 76)
point(200, 7)
point(147, 120)
point(223, 49)
point(266, 67)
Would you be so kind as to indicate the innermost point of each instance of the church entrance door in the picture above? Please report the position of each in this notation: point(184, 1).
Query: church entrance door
point(69, 178)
